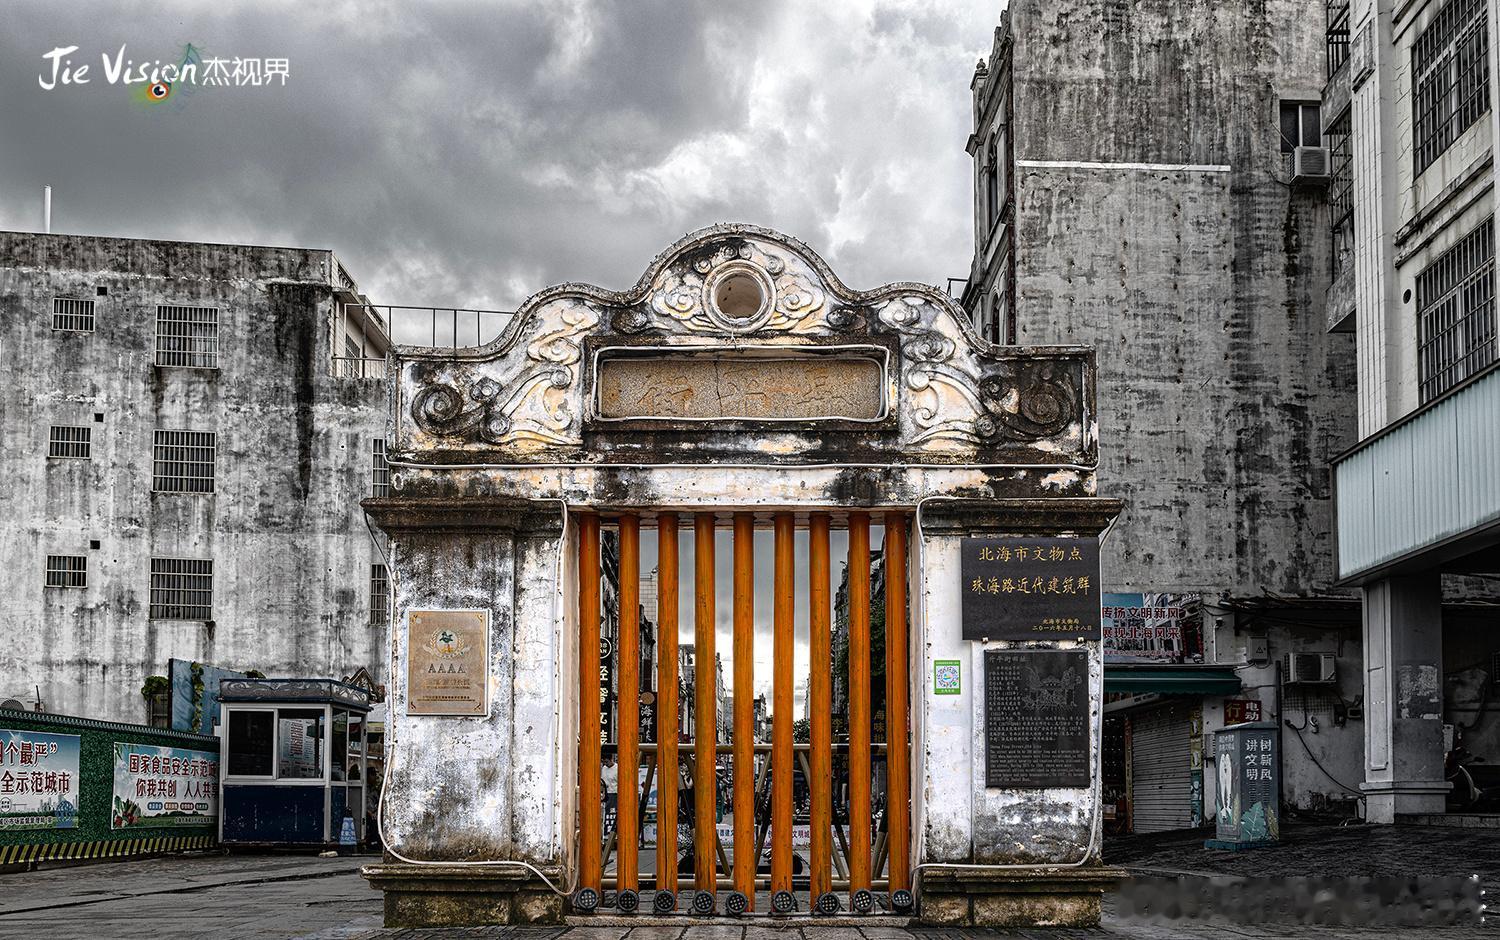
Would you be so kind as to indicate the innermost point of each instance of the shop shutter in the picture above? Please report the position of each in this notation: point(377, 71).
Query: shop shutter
point(1160, 773)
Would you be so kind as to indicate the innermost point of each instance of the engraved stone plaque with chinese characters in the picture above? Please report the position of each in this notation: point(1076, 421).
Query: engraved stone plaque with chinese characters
point(728, 387)
point(1030, 588)
point(1036, 718)
point(447, 663)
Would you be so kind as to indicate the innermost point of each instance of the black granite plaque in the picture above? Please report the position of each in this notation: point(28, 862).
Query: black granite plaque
point(1036, 718)
point(1029, 588)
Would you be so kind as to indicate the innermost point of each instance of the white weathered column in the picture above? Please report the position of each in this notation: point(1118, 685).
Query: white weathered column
point(1404, 754)
point(986, 855)
point(466, 792)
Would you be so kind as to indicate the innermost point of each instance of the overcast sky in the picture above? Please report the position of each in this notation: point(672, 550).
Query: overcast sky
point(468, 155)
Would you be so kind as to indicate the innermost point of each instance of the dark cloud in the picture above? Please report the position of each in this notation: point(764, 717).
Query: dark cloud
point(472, 154)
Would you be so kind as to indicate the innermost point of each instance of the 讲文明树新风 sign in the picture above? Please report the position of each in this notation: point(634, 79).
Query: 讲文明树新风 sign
point(447, 667)
point(164, 786)
point(1028, 588)
point(39, 783)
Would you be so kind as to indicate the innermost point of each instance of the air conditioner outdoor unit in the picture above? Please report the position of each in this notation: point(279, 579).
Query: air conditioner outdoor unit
point(1310, 165)
point(1309, 669)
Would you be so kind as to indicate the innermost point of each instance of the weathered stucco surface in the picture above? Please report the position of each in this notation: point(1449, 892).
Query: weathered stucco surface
point(283, 526)
point(1221, 396)
point(488, 444)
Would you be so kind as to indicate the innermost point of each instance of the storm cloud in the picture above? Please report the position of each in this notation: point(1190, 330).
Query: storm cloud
point(471, 155)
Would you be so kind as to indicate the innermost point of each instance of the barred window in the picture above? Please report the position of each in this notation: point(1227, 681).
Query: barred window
point(66, 441)
point(1341, 186)
point(1451, 77)
point(380, 471)
point(73, 315)
point(1456, 313)
point(67, 571)
point(182, 589)
point(380, 596)
point(183, 462)
point(187, 336)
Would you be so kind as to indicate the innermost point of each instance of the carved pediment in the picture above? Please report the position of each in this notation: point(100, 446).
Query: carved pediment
point(751, 315)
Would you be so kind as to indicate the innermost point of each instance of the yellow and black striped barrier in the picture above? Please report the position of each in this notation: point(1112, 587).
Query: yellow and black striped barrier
point(102, 848)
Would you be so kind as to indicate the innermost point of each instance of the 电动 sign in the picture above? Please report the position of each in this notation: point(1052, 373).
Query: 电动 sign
point(1028, 588)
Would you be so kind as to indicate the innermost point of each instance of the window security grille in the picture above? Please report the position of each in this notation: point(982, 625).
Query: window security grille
point(1456, 313)
point(183, 462)
point(70, 441)
point(380, 594)
point(1451, 75)
point(67, 571)
point(380, 472)
point(187, 336)
point(72, 315)
point(182, 589)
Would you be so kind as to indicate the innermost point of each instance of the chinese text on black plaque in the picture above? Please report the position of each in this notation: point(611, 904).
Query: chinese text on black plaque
point(1017, 588)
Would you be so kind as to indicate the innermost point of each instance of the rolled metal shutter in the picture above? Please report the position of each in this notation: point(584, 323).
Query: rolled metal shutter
point(1159, 768)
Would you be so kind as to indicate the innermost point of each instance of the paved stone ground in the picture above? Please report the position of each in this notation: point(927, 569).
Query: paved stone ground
point(326, 899)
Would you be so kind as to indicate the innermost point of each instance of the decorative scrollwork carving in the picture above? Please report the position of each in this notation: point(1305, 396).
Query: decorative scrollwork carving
point(1039, 401)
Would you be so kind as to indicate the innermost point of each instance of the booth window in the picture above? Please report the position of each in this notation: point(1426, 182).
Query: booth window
point(340, 743)
point(250, 753)
point(300, 734)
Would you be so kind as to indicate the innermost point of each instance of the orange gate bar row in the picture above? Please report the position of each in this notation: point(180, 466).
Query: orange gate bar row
point(820, 766)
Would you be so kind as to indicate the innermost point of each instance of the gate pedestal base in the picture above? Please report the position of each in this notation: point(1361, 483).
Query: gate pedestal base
point(1037, 897)
point(462, 896)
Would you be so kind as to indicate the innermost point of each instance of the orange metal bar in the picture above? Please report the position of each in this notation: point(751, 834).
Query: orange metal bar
point(859, 701)
point(820, 705)
point(744, 704)
point(706, 718)
point(628, 725)
point(590, 867)
point(666, 710)
point(897, 690)
point(782, 756)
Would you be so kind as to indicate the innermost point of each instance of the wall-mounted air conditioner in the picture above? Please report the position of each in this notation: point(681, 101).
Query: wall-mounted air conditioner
point(1310, 165)
point(1309, 669)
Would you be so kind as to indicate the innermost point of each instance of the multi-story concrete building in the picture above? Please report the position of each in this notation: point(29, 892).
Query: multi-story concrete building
point(1147, 183)
point(1411, 94)
point(188, 429)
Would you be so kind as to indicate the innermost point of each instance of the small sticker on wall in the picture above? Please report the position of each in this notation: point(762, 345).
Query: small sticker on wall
point(947, 677)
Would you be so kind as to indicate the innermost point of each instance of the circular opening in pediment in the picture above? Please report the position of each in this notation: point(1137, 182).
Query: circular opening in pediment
point(739, 296)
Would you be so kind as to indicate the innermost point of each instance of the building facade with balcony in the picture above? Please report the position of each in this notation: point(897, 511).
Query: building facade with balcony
point(189, 429)
point(1152, 179)
point(1412, 84)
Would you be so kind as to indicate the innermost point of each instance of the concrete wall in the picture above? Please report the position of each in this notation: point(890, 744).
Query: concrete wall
point(1221, 396)
point(289, 544)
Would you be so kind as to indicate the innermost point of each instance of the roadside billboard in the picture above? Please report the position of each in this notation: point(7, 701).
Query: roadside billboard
point(39, 782)
point(164, 786)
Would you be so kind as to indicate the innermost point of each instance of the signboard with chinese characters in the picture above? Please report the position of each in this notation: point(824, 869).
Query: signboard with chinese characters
point(1246, 801)
point(1030, 588)
point(1036, 718)
point(1240, 710)
point(1153, 628)
point(447, 667)
point(731, 386)
point(39, 783)
point(164, 786)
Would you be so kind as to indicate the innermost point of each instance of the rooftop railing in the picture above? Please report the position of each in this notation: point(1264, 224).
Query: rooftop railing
point(442, 327)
